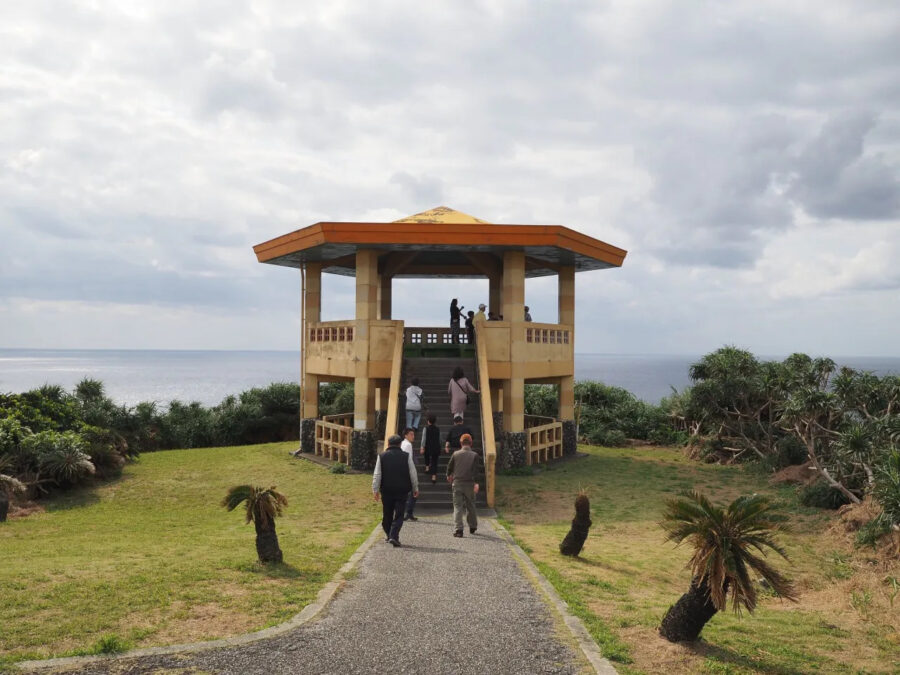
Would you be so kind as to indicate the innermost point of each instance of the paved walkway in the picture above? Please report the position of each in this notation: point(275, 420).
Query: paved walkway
point(437, 605)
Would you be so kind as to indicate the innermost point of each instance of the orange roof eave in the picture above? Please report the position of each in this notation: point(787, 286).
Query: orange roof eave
point(449, 234)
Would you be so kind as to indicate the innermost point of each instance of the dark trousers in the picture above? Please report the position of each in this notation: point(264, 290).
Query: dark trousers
point(392, 507)
point(431, 462)
point(410, 505)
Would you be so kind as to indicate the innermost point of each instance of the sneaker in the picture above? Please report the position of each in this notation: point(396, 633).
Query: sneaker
point(411, 517)
point(394, 542)
point(472, 530)
point(458, 533)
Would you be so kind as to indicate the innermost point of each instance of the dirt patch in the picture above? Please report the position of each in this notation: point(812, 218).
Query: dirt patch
point(798, 474)
point(24, 510)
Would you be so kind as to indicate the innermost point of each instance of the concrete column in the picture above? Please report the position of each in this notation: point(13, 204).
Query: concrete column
point(567, 397)
point(385, 284)
point(512, 306)
point(567, 295)
point(495, 296)
point(312, 303)
point(513, 310)
point(309, 401)
point(313, 299)
point(366, 311)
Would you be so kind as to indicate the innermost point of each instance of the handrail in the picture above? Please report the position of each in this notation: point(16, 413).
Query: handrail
point(487, 415)
point(390, 424)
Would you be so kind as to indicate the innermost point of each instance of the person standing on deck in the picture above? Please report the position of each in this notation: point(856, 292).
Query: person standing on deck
point(394, 478)
point(470, 327)
point(462, 472)
point(455, 311)
point(459, 389)
point(479, 315)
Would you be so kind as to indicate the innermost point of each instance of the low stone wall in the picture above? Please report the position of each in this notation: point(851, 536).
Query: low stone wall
point(380, 423)
point(511, 453)
point(308, 435)
point(362, 450)
point(569, 439)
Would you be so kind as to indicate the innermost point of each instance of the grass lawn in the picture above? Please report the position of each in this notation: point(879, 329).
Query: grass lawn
point(847, 618)
point(153, 559)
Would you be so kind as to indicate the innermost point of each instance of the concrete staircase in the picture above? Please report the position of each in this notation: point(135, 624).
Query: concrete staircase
point(434, 378)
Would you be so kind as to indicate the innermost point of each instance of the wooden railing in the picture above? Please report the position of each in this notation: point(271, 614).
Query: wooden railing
point(341, 419)
point(487, 417)
point(333, 440)
point(537, 420)
point(543, 443)
point(390, 425)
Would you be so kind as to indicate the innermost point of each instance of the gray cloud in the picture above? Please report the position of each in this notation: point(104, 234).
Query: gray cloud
point(143, 155)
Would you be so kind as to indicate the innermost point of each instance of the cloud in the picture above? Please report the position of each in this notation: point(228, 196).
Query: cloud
point(745, 153)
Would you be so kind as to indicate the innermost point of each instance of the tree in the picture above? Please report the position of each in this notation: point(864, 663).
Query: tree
point(723, 541)
point(262, 506)
point(581, 523)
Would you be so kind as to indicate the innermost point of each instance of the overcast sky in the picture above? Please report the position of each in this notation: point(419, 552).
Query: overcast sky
point(746, 154)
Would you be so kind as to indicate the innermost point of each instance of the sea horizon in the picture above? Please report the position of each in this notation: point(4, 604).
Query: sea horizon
point(209, 375)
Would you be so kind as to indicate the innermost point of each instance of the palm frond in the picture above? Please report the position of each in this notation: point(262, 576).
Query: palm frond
point(722, 539)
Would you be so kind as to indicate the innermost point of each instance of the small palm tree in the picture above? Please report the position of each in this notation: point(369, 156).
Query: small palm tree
point(723, 541)
point(263, 505)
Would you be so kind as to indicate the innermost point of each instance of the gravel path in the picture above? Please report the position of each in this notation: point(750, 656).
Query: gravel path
point(437, 605)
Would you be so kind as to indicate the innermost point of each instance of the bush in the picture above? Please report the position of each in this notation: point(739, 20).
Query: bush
point(59, 456)
point(821, 495)
point(886, 489)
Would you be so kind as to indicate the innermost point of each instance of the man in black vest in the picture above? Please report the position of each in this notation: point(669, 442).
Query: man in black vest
point(395, 477)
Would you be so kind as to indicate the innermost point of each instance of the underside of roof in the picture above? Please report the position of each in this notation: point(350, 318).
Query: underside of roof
point(439, 243)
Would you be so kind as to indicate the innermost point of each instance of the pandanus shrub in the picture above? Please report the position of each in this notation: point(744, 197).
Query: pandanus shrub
point(726, 543)
point(9, 485)
point(581, 523)
point(262, 505)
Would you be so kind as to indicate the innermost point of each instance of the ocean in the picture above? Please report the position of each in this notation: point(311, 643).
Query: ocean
point(131, 376)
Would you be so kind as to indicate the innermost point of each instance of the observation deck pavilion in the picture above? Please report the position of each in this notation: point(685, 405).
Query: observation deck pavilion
point(368, 349)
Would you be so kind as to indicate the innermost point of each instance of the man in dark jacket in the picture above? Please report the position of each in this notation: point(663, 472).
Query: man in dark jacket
point(456, 432)
point(395, 477)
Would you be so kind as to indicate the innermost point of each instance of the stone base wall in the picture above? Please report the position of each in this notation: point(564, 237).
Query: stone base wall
point(362, 450)
point(570, 442)
point(511, 453)
point(308, 435)
point(380, 423)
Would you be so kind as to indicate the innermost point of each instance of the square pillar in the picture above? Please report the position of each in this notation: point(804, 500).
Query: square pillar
point(385, 284)
point(567, 295)
point(366, 310)
point(312, 302)
point(567, 397)
point(495, 294)
point(309, 397)
point(512, 306)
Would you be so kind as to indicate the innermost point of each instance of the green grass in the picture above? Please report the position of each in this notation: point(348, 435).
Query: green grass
point(152, 558)
point(628, 576)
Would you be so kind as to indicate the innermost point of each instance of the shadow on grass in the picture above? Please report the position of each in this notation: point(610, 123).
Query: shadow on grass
point(79, 497)
point(278, 571)
point(723, 655)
